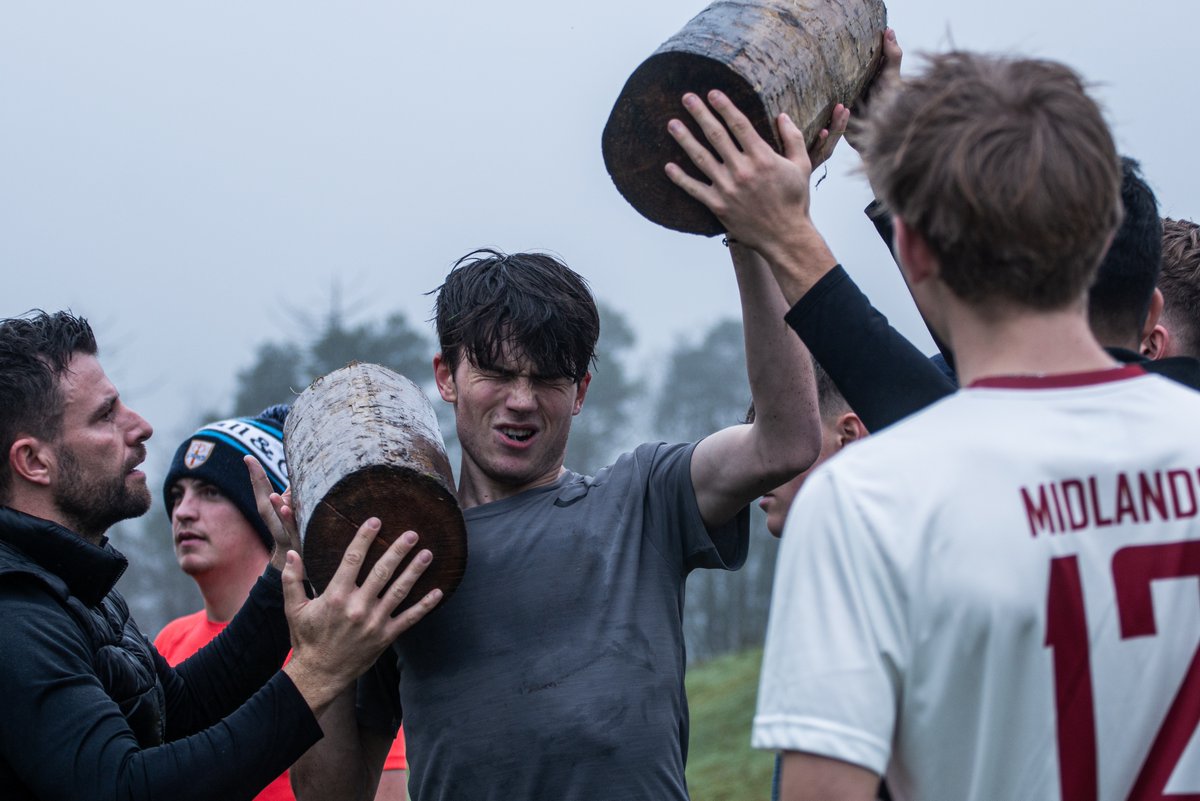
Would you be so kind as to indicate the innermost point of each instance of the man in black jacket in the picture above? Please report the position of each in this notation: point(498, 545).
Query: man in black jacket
point(91, 709)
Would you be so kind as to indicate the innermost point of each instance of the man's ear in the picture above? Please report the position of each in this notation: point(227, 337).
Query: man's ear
point(27, 458)
point(913, 253)
point(1156, 344)
point(580, 392)
point(1154, 313)
point(1154, 336)
point(444, 377)
point(849, 428)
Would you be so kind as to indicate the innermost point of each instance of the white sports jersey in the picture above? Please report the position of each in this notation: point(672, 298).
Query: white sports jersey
point(999, 598)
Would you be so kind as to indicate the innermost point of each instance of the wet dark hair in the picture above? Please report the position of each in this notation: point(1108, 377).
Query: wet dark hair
point(35, 350)
point(494, 304)
point(1119, 298)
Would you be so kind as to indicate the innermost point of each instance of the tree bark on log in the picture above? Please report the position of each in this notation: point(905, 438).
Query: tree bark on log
point(361, 442)
point(801, 57)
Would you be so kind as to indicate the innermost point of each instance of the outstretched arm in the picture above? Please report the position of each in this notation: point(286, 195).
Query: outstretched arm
point(738, 464)
point(762, 197)
point(735, 465)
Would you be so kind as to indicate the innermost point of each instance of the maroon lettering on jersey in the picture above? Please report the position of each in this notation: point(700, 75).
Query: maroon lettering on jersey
point(1074, 504)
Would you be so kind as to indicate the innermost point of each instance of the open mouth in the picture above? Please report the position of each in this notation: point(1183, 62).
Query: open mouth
point(131, 468)
point(517, 434)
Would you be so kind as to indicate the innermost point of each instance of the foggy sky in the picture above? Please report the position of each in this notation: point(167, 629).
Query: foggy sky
point(196, 177)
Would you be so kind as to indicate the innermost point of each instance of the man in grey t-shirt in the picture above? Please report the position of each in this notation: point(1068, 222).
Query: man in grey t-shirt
point(556, 669)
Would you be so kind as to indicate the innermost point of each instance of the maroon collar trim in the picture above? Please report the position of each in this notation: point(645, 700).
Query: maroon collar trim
point(1061, 380)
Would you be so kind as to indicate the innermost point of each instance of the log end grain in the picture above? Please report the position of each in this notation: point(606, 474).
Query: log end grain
point(770, 56)
point(403, 499)
point(636, 145)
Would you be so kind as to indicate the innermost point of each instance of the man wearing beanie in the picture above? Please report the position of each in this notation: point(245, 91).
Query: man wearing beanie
point(220, 539)
point(223, 544)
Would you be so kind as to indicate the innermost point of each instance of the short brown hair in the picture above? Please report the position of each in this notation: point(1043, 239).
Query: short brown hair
point(831, 403)
point(1008, 171)
point(1180, 283)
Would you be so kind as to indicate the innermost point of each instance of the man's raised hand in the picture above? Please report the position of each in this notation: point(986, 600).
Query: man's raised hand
point(340, 633)
point(828, 138)
point(760, 196)
point(276, 512)
point(886, 81)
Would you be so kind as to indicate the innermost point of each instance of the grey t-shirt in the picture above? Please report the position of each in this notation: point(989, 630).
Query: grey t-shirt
point(556, 669)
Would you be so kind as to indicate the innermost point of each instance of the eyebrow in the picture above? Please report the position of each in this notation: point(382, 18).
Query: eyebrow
point(196, 483)
point(105, 405)
point(534, 374)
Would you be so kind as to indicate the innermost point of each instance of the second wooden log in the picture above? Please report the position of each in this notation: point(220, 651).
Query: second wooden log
point(801, 57)
point(364, 442)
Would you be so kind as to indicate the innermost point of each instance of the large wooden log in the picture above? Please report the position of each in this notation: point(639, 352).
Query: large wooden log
point(801, 57)
point(364, 441)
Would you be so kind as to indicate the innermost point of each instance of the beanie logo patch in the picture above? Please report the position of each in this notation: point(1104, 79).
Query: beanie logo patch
point(198, 453)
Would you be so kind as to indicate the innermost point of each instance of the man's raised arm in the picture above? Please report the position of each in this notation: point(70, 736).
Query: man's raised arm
point(735, 465)
point(762, 198)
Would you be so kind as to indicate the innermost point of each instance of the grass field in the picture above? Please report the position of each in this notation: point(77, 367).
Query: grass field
point(721, 765)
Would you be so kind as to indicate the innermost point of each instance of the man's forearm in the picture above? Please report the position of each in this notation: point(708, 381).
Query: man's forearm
point(882, 375)
point(778, 367)
point(787, 428)
point(735, 465)
point(798, 260)
point(346, 763)
point(217, 679)
point(807, 777)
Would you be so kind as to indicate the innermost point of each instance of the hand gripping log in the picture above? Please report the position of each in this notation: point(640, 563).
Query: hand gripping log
point(801, 57)
point(364, 441)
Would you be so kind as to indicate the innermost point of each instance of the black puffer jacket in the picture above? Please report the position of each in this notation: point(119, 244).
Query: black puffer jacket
point(92, 711)
point(121, 654)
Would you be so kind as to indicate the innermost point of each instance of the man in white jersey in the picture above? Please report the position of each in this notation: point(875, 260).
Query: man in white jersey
point(997, 597)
